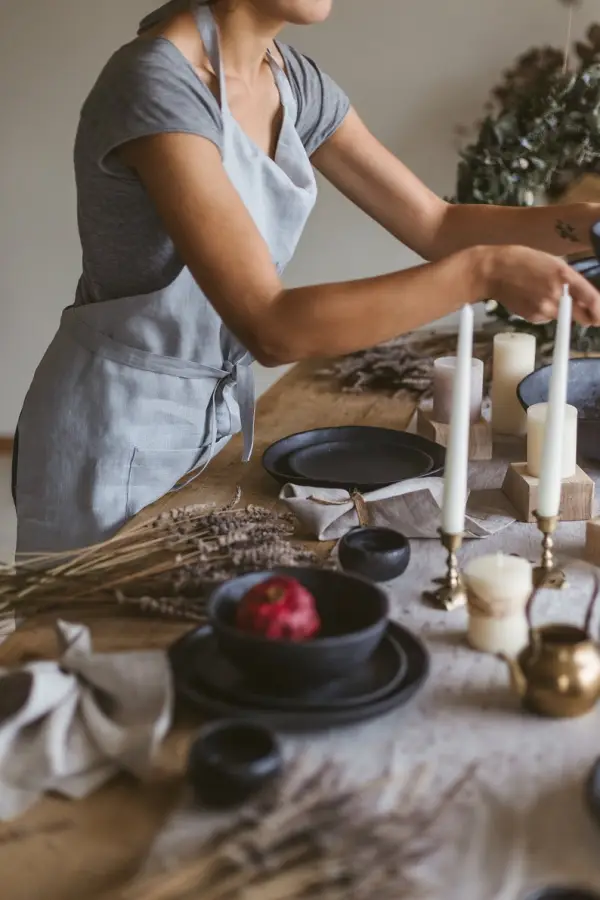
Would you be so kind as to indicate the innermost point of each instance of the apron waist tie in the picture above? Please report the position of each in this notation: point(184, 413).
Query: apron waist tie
point(239, 373)
point(243, 378)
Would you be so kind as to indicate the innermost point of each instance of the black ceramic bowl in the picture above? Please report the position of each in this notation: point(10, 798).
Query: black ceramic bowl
point(583, 392)
point(563, 893)
point(231, 760)
point(380, 554)
point(354, 616)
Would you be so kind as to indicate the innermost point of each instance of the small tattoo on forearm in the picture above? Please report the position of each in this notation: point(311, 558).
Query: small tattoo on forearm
point(567, 232)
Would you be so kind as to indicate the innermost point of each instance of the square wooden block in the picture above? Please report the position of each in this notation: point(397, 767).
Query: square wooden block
point(480, 436)
point(576, 498)
point(592, 541)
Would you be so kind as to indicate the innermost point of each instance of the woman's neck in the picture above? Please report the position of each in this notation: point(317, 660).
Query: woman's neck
point(246, 35)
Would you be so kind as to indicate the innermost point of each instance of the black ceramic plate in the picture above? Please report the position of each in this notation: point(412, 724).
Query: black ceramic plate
point(208, 701)
point(368, 443)
point(563, 893)
point(210, 670)
point(592, 791)
point(348, 462)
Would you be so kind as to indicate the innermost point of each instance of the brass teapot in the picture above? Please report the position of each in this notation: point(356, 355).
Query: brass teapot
point(558, 673)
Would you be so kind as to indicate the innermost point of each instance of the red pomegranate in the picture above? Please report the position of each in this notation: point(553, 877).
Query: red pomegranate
point(279, 609)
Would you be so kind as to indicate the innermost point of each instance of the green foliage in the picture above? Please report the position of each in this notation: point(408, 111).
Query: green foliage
point(541, 131)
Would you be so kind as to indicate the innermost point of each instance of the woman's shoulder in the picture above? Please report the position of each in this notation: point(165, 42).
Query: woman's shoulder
point(147, 87)
point(145, 70)
point(322, 103)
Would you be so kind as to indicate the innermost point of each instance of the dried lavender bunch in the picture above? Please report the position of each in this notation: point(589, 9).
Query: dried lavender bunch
point(402, 365)
point(165, 566)
point(312, 838)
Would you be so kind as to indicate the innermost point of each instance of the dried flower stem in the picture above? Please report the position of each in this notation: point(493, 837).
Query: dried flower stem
point(310, 839)
point(163, 566)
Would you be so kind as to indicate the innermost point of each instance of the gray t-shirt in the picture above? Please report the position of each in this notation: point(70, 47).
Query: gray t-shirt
point(148, 87)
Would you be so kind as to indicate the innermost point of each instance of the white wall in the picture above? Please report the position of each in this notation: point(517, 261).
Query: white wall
point(413, 70)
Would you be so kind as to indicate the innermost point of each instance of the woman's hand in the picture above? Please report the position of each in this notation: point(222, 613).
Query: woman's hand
point(529, 283)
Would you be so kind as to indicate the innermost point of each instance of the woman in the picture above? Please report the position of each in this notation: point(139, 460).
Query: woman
point(194, 162)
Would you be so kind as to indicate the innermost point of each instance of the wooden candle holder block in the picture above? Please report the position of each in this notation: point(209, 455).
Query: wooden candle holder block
point(576, 497)
point(592, 541)
point(480, 436)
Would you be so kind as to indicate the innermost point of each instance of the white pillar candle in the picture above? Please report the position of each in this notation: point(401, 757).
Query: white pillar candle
point(551, 466)
point(536, 424)
point(498, 589)
point(514, 359)
point(457, 451)
point(443, 378)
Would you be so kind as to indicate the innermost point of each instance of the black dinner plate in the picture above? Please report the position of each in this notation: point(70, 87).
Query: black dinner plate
point(367, 443)
point(184, 653)
point(347, 462)
point(210, 669)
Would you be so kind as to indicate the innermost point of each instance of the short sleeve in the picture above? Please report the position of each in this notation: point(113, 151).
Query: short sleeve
point(147, 88)
point(322, 104)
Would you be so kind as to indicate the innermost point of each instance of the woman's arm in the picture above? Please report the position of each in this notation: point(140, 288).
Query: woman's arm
point(219, 242)
point(373, 178)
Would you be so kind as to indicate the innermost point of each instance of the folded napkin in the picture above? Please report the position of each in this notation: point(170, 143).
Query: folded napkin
point(70, 726)
point(412, 507)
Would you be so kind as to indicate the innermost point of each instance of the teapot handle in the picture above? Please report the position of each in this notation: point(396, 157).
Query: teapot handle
point(529, 607)
point(591, 608)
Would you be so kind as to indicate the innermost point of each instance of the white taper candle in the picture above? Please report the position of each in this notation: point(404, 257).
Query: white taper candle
point(457, 452)
point(551, 468)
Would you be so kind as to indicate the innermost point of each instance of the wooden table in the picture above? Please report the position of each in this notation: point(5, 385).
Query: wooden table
point(77, 851)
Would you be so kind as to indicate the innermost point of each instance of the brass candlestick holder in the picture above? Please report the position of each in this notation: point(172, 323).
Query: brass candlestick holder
point(548, 574)
point(451, 594)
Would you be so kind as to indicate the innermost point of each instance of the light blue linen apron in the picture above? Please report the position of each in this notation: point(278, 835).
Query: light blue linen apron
point(134, 393)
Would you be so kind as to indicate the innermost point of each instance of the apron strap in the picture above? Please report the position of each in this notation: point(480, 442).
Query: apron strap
point(284, 87)
point(209, 33)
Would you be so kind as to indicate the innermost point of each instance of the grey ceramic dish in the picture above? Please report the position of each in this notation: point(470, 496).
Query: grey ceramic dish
point(583, 392)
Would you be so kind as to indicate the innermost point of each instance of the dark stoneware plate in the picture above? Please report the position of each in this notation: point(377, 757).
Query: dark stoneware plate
point(382, 674)
point(204, 698)
point(592, 791)
point(349, 462)
point(368, 444)
point(563, 893)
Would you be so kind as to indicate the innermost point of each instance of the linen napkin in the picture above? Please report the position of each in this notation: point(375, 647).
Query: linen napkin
point(70, 726)
point(412, 507)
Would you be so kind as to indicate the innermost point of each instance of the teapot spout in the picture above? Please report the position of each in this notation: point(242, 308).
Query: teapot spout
point(518, 682)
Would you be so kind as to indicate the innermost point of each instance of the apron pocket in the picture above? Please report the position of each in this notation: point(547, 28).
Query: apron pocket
point(153, 473)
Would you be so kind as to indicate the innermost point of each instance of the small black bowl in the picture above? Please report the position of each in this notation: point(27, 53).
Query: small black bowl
point(230, 761)
point(563, 893)
point(354, 617)
point(380, 554)
point(583, 392)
